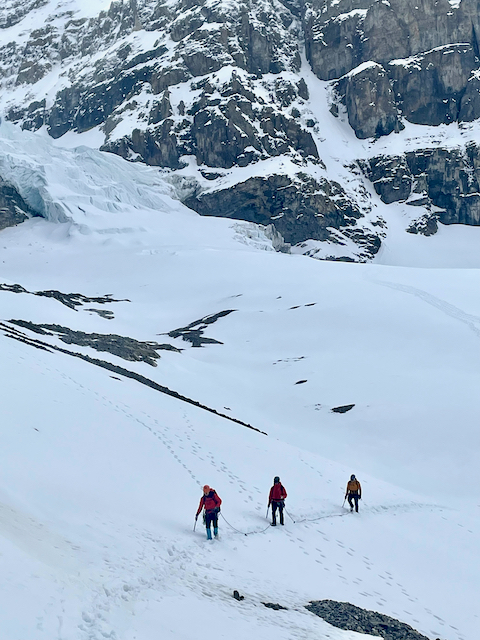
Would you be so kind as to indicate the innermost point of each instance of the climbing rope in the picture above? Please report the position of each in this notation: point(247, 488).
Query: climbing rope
point(331, 515)
point(248, 533)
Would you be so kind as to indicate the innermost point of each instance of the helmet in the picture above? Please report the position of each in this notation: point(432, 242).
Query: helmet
point(206, 489)
point(276, 479)
point(352, 477)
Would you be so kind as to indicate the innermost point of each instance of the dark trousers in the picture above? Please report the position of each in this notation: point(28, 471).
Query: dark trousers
point(353, 496)
point(211, 517)
point(277, 504)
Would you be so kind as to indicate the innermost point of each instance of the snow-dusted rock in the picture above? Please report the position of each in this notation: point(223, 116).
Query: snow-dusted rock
point(369, 98)
point(13, 208)
point(430, 87)
point(446, 181)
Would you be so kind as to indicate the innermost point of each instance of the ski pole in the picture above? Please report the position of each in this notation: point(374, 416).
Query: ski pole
point(266, 516)
point(343, 503)
point(195, 524)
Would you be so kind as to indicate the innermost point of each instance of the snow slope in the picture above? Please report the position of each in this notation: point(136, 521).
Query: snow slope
point(100, 475)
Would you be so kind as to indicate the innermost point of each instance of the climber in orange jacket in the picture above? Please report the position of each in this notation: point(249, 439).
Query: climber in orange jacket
point(353, 492)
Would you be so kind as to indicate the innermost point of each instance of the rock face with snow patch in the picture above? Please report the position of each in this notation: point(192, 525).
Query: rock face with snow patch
point(425, 56)
point(370, 101)
point(216, 95)
point(446, 181)
point(300, 208)
point(215, 88)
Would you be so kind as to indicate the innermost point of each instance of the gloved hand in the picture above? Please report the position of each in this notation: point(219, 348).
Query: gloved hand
point(196, 517)
point(217, 509)
point(359, 497)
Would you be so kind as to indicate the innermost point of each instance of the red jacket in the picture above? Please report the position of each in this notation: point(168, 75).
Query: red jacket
point(210, 501)
point(277, 492)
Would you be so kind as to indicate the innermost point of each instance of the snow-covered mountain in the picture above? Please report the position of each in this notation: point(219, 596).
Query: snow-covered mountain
point(147, 350)
point(254, 108)
point(140, 343)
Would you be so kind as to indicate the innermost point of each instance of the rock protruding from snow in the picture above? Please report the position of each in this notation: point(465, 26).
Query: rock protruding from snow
point(349, 617)
point(300, 207)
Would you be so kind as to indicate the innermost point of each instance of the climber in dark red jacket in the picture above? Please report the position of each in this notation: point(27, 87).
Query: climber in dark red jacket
point(277, 500)
point(211, 503)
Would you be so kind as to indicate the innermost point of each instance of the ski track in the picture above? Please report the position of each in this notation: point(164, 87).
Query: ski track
point(447, 308)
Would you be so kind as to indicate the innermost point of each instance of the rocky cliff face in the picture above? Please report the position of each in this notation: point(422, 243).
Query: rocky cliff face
point(220, 96)
point(13, 208)
point(444, 181)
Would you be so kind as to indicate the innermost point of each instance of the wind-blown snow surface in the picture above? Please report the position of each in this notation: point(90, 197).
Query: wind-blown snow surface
point(100, 476)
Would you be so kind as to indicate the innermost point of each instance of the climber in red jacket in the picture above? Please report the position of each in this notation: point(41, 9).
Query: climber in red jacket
point(211, 502)
point(277, 500)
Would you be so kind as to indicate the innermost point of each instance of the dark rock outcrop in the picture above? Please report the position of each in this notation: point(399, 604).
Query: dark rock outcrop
point(349, 617)
point(342, 35)
point(194, 332)
point(430, 87)
point(275, 606)
point(343, 409)
point(448, 179)
point(13, 208)
point(430, 53)
point(370, 101)
point(300, 208)
point(470, 103)
point(70, 300)
point(121, 346)
point(391, 177)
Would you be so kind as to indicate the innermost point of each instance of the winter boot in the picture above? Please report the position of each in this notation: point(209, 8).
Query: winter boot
point(215, 531)
point(209, 534)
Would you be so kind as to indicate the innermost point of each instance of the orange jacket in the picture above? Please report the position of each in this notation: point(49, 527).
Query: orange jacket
point(353, 486)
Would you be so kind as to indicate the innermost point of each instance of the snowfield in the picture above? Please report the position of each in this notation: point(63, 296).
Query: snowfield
point(101, 474)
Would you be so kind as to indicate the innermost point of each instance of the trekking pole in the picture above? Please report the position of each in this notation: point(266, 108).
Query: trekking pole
point(343, 503)
point(195, 524)
point(266, 516)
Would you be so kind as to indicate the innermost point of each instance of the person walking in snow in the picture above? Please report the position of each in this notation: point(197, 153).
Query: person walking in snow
point(211, 502)
point(353, 492)
point(277, 500)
